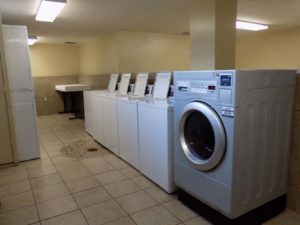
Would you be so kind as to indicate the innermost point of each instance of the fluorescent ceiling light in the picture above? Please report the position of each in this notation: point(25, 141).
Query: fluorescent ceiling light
point(250, 26)
point(49, 10)
point(32, 40)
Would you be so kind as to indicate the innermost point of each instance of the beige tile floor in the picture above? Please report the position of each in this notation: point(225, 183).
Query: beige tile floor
point(56, 190)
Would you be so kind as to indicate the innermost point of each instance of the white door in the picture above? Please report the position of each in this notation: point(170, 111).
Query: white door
point(24, 114)
point(16, 50)
point(6, 152)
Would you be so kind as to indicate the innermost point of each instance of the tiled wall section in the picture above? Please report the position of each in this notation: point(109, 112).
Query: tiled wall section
point(97, 82)
point(294, 175)
point(44, 87)
point(48, 101)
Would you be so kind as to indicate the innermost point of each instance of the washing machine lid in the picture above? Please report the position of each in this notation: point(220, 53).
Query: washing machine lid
point(161, 85)
point(124, 83)
point(202, 136)
point(140, 84)
point(113, 82)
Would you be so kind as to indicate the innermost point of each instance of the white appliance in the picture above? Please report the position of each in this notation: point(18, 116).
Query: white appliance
point(72, 87)
point(93, 109)
point(21, 91)
point(128, 122)
point(155, 131)
point(232, 137)
point(110, 115)
point(93, 115)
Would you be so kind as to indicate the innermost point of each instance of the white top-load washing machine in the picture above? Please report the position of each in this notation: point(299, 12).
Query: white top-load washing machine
point(110, 115)
point(128, 122)
point(93, 109)
point(155, 128)
point(232, 133)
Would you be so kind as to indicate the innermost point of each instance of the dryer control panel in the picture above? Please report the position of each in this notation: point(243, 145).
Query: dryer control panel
point(207, 89)
point(212, 85)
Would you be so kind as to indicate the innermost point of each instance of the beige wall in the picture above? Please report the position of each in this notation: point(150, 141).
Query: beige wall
point(54, 60)
point(134, 52)
point(147, 52)
point(269, 50)
point(99, 56)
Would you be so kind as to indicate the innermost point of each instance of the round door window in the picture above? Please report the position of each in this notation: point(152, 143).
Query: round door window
point(199, 135)
point(202, 135)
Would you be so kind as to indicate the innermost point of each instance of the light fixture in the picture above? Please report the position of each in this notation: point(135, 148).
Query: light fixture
point(32, 40)
point(49, 10)
point(250, 26)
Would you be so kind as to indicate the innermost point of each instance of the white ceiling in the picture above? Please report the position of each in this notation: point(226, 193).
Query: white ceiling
point(84, 19)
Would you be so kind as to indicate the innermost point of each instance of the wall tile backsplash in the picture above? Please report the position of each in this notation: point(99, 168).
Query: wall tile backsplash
point(48, 100)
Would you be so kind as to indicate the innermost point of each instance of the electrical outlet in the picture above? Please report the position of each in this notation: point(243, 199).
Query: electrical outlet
point(45, 99)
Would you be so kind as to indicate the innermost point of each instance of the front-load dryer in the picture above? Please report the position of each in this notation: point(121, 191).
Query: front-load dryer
point(231, 141)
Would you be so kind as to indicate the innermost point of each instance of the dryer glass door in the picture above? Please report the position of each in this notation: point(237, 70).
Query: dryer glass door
point(199, 135)
point(202, 135)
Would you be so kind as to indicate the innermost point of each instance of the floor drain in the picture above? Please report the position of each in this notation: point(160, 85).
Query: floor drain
point(92, 149)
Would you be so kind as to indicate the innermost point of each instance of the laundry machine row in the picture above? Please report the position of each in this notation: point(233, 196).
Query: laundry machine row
point(112, 118)
point(146, 138)
point(231, 140)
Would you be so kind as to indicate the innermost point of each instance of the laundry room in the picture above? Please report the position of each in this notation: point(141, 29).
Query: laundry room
point(149, 112)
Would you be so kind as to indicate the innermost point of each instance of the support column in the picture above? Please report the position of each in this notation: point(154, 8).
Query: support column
point(213, 34)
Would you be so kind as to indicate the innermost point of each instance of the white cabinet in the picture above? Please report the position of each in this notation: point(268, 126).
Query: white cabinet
point(24, 114)
point(18, 67)
point(17, 57)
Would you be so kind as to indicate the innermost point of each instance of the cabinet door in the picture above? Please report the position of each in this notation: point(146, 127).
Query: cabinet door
point(5, 148)
point(17, 57)
point(24, 115)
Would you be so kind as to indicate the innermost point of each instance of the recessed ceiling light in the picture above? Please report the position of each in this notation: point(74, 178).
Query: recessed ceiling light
point(32, 40)
point(49, 10)
point(250, 26)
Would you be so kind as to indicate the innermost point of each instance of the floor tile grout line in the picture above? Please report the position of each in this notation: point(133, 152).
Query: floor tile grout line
point(64, 185)
point(78, 208)
point(183, 221)
point(11, 210)
point(56, 216)
point(115, 198)
point(34, 199)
